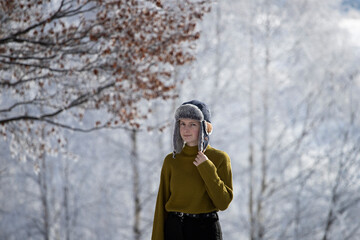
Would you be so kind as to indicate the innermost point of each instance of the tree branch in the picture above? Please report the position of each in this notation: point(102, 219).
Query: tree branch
point(77, 102)
point(77, 129)
point(8, 83)
point(15, 105)
point(21, 32)
point(57, 15)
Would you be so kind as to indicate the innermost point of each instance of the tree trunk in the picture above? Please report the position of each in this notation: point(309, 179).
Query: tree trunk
point(251, 138)
point(42, 180)
point(66, 200)
point(264, 146)
point(136, 186)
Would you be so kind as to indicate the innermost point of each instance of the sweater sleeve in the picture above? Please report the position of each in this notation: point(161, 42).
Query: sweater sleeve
point(162, 197)
point(218, 182)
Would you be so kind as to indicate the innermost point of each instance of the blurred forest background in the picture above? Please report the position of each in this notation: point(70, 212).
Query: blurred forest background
point(87, 95)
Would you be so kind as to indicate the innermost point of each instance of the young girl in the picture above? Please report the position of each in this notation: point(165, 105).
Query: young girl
point(195, 183)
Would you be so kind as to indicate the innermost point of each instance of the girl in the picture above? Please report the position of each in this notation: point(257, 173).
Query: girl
point(195, 183)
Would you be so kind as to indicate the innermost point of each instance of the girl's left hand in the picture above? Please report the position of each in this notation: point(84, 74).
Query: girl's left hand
point(200, 158)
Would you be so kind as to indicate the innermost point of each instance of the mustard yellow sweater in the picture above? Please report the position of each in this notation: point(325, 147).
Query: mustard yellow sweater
point(190, 189)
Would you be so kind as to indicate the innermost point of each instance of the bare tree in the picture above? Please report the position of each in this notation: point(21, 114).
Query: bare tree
point(69, 56)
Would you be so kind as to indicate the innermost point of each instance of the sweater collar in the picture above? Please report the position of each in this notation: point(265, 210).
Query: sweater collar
point(191, 151)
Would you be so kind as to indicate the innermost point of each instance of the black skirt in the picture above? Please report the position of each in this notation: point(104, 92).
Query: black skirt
point(184, 227)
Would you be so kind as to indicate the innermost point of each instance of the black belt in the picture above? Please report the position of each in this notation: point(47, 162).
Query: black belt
point(190, 215)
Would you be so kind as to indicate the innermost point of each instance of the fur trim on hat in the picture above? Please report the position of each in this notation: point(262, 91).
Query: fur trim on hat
point(189, 111)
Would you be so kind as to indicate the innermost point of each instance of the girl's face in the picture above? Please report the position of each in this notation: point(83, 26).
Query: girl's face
point(189, 131)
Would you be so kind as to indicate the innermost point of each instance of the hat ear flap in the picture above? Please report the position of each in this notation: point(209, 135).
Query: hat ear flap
point(177, 140)
point(203, 137)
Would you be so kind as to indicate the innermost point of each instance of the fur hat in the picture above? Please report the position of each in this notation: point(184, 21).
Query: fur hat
point(194, 110)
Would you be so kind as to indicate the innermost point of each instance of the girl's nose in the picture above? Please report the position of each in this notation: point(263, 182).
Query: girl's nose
point(187, 128)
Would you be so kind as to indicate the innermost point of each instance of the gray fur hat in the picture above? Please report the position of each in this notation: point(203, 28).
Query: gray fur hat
point(194, 110)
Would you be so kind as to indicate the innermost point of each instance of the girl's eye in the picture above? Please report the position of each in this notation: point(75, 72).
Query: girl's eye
point(190, 124)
